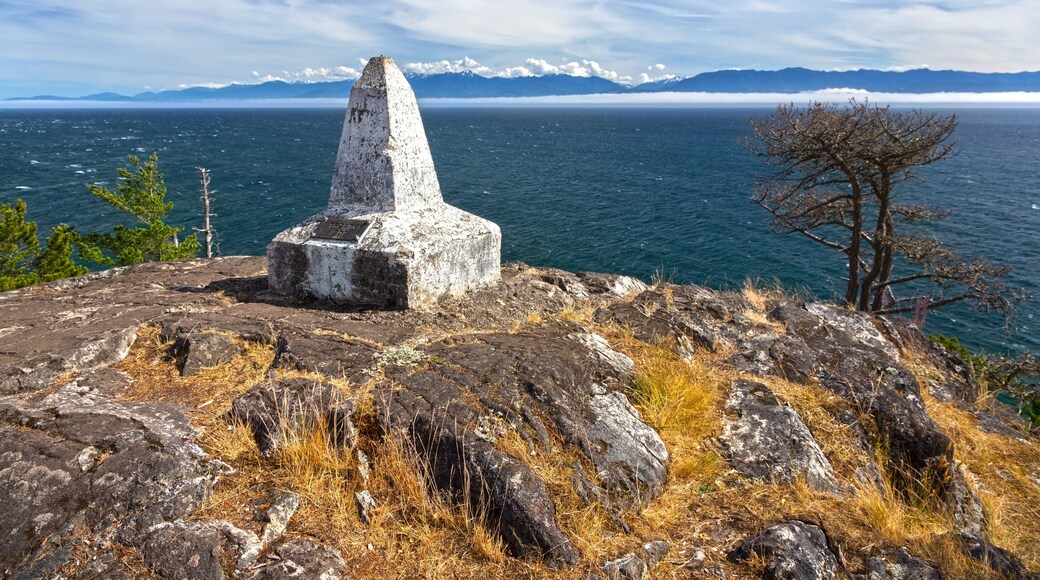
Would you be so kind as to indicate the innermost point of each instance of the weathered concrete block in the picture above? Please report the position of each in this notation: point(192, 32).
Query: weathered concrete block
point(387, 238)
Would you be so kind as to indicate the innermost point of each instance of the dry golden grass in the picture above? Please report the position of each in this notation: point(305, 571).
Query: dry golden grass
point(581, 313)
point(532, 318)
point(757, 293)
point(156, 377)
point(861, 522)
point(682, 400)
point(669, 296)
point(758, 296)
point(589, 527)
point(418, 532)
point(1007, 470)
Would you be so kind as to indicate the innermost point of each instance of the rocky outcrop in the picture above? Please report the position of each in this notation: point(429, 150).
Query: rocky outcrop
point(852, 358)
point(487, 390)
point(768, 440)
point(200, 350)
point(842, 351)
point(81, 468)
point(792, 551)
point(900, 566)
point(302, 558)
point(284, 407)
point(636, 565)
point(97, 350)
point(527, 380)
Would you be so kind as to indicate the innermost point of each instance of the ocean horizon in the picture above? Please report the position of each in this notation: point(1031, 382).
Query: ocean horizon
point(648, 99)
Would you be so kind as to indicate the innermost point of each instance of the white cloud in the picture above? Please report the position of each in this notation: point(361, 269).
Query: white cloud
point(648, 77)
point(577, 68)
point(313, 75)
point(445, 66)
point(203, 85)
point(645, 78)
point(531, 67)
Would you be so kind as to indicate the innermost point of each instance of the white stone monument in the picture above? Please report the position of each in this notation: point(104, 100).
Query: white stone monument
point(387, 238)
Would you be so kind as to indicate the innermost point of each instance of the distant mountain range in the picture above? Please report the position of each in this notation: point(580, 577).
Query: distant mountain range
point(470, 85)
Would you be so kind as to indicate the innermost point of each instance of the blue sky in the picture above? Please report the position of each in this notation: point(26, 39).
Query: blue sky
point(70, 48)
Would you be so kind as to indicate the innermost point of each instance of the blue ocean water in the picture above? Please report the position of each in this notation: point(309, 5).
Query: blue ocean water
point(640, 191)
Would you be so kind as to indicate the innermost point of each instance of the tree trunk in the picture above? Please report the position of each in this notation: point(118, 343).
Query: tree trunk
point(206, 229)
point(855, 246)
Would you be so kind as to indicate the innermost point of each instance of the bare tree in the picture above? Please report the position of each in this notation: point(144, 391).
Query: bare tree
point(837, 174)
point(207, 229)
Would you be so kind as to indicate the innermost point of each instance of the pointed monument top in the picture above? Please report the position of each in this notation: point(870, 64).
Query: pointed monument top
point(384, 161)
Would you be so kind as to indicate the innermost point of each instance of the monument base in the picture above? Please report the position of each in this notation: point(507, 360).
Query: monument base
point(385, 260)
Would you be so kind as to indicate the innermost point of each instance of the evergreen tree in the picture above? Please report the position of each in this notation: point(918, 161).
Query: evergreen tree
point(22, 263)
point(55, 262)
point(142, 194)
point(18, 247)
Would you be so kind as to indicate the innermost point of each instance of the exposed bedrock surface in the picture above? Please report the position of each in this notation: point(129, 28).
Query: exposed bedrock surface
point(95, 479)
point(843, 351)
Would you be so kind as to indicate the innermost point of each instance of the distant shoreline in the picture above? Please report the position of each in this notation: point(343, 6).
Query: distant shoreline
point(655, 99)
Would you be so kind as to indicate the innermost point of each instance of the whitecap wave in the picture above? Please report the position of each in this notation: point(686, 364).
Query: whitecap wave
point(1036, 206)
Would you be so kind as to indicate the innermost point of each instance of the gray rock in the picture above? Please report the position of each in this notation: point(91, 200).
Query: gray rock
point(684, 316)
point(524, 378)
point(848, 356)
point(960, 382)
point(655, 552)
point(328, 355)
point(182, 551)
point(627, 567)
point(969, 518)
point(496, 486)
point(200, 350)
point(792, 551)
point(277, 516)
point(905, 567)
point(1004, 420)
point(365, 503)
point(283, 406)
point(629, 455)
point(696, 560)
point(612, 284)
point(246, 543)
point(996, 558)
point(622, 365)
point(841, 350)
point(302, 558)
point(364, 467)
point(56, 492)
point(99, 351)
point(768, 440)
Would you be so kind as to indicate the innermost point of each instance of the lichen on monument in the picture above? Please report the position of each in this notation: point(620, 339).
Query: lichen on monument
point(387, 239)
